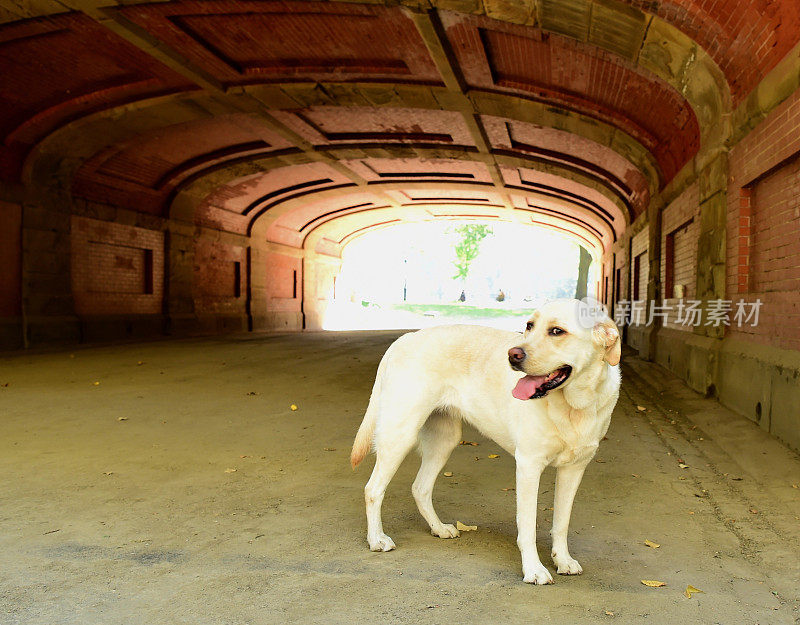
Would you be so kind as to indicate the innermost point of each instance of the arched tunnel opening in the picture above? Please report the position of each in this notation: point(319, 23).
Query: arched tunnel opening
point(432, 273)
point(217, 216)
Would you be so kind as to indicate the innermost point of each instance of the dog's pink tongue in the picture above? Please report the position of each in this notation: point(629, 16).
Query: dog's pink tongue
point(526, 387)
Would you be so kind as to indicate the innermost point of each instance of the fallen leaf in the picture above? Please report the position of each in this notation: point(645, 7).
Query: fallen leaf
point(691, 512)
point(293, 407)
point(465, 528)
point(609, 613)
point(507, 489)
point(641, 408)
point(329, 449)
point(683, 466)
point(7, 383)
point(96, 383)
point(753, 511)
point(473, 443)
point(599, 460)
point(448, 474)
point(140, 363)
point(650, 543)
point(494, 456)
point(108, 473)
point(634, 475)
point(230, 470)
point(653, 583)
point(252, 393)
point(793, 485)
point(122, 418)
point(691, 590)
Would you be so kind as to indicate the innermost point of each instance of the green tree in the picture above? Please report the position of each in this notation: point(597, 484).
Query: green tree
point(468, 247)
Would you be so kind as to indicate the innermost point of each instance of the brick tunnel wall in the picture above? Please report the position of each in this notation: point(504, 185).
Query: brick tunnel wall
point(220, 285)
point(116, 269)
point(98, 280)
point(680, 229)
point(763, 234)
point(746, 208)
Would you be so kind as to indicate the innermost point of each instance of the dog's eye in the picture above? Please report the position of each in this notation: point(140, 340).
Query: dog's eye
point(529, 326)
point(556, 331)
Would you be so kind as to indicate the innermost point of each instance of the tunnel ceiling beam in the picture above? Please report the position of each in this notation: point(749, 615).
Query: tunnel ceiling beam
point(431, 31)
point(665, 92)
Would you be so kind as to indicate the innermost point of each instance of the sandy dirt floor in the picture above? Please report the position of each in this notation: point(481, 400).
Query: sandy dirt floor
point(170, 483)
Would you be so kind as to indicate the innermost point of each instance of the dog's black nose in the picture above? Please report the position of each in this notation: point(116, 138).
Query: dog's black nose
point(516, 355)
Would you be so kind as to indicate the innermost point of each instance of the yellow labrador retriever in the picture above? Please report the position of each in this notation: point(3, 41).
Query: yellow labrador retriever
point(555, 414)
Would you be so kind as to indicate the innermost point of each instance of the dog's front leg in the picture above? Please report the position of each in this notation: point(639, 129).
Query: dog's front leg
point(568, 478)
point(529, 470)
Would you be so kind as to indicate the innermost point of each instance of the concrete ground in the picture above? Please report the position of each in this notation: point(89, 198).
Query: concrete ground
point(171, 483)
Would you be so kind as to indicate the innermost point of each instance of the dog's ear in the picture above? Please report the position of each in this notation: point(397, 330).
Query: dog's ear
point(606, 334)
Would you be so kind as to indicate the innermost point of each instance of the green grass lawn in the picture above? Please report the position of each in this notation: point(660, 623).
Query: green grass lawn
point(462, 310)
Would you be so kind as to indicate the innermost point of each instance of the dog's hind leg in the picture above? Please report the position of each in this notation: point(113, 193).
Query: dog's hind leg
point(437, 439)
point(395, 436)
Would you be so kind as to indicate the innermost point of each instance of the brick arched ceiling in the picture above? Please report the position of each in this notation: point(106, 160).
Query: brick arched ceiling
point(224, 113)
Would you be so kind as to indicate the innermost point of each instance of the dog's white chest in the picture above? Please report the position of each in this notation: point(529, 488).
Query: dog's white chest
point(575, 435)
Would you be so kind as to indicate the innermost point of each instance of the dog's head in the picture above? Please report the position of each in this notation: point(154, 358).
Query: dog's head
point(563, 341)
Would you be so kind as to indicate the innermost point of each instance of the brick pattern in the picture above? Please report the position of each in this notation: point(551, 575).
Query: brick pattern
point(416, 169)
point(776, 231)
point(141, 173)
point(284, 282)
point(744, 240)
point(774, 140)
point(292, 227)
point(60, 67)
point(10, 259)
point(219, 275)
point(621, 286)
point(763, 226)
point(680, 222)
point(233, 206)
point(248, 41)
point(581, 203)
point(323, 125)
point(573, 151)
point(116, 269)
point(746, 41)
point(639, 247)
point(553, 68)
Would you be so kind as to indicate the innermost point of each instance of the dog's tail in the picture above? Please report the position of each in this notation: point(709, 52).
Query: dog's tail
point(363, 442)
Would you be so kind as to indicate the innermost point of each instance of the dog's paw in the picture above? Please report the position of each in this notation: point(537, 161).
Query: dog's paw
point(537, 575)
point(446, 531)
point(381, 543)
point(567, 566)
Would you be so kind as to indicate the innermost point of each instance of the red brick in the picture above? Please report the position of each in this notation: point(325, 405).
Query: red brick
point(110, 271)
